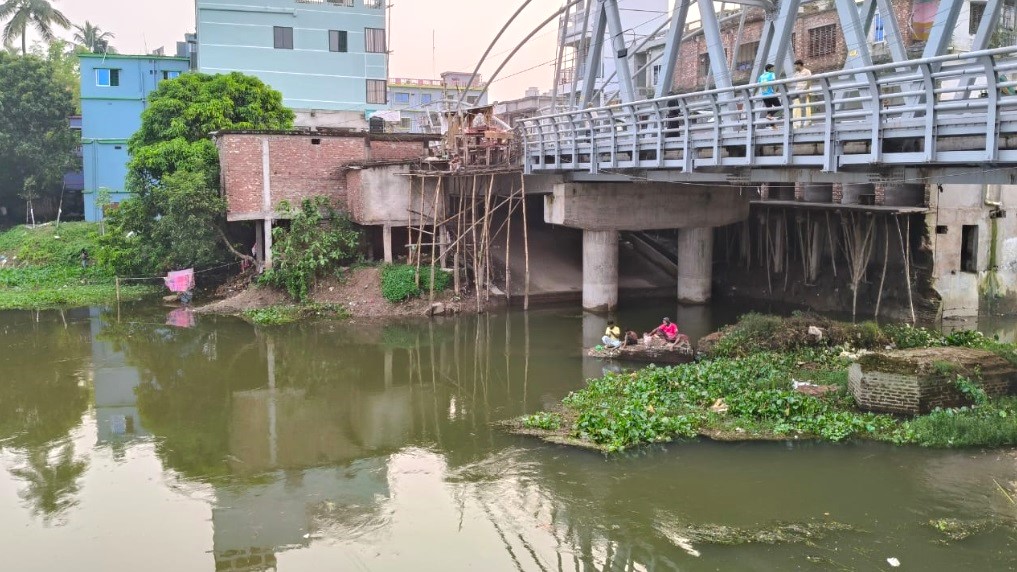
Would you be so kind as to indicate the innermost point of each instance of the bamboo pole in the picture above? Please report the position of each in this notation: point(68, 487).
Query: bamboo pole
point(434, 239)
point(526, 247)
point(833, 247)
point(487, 241)
point(420, 234)
point(905, 250)
point(459, 229)
point(473, 218)
point(508, 250)
point(886, 257)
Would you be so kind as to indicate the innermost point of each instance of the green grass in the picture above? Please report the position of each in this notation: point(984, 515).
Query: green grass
point(399, 282)
point(43, 269)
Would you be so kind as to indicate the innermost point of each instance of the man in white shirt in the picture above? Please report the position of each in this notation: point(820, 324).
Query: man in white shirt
point(804, 103)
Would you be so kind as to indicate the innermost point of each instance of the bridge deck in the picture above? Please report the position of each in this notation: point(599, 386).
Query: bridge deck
point(934, 113)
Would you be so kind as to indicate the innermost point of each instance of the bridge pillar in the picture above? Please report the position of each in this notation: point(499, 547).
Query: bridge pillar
point(600, 270)
point(695, 265)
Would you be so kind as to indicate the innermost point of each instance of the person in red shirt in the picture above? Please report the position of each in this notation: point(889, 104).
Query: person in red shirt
point(667, 330)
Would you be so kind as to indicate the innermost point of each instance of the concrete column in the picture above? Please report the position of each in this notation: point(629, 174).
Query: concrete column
point(600, 270)
point(259, 246)
point(268, 243)
point(386, 238)
point(695, 265)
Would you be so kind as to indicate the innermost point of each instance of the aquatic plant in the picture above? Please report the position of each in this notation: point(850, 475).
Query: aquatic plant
point(736, 393)
point(280, 315)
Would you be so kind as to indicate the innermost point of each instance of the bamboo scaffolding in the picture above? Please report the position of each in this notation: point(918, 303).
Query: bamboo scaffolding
point(906, 251)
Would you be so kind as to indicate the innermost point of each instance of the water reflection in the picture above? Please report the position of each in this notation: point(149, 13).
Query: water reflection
point(370, 446)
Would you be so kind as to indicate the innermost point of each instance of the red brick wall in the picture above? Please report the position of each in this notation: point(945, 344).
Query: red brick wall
point(301, 166)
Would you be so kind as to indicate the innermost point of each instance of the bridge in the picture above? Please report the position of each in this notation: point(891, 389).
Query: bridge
point(865, 137)
point(936, 115)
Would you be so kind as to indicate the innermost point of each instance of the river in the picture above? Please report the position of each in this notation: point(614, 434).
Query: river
point(214, 445)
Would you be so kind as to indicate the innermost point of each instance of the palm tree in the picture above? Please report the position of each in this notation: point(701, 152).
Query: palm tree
point(93, 38)
point(39, 14)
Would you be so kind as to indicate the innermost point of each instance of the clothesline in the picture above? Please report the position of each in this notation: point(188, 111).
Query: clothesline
point(135, 279)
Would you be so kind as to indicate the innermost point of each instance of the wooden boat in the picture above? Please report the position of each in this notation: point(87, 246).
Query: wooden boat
point(657, 353)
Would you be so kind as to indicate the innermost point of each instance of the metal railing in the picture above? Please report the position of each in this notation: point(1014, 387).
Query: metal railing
point(930, 111)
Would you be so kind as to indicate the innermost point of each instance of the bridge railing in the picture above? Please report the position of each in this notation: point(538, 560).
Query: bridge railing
point(891, 113)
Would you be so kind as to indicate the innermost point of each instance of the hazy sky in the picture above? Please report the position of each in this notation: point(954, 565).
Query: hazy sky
point(461, 31)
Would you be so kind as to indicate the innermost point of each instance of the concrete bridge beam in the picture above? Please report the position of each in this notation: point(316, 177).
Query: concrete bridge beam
point(636, 206)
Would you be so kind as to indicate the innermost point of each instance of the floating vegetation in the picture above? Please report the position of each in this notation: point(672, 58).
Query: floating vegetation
point(687, 537)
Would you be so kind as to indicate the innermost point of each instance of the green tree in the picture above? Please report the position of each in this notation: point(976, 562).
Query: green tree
point(35, 142)
point(63, 56)
point(317, 241)
point(176, 216)
point(93, 38)
point(40, 15)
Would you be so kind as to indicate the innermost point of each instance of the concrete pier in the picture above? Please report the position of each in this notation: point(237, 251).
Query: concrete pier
point(600, 270)
point(695, 265)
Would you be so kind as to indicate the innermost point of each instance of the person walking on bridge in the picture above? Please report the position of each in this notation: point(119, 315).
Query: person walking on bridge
point(804, 107)
point(770, 99)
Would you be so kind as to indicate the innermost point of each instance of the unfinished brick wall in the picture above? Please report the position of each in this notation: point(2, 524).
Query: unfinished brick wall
point(913, 394)
point(301, 165)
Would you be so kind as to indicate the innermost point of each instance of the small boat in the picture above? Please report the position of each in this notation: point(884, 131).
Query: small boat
point(657, 353)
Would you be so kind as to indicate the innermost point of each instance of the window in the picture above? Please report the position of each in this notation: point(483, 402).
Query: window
point(167, 74)
point(372, 4)
point(105, 77)
point(399, 97)
point(704, 65)
point(406, 123)
point(655, 74)
point(969, 248)
point(471, 99)
point(1008, 20)
point(283, 37)
point(426, 98)
point(823, 40)
point(745, 57)
point(975, 16)
point(377, 91)
point(877, 29)
point(338, 41)
point(375, 40)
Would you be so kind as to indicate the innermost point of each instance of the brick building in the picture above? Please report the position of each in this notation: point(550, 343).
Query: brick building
point(817, 39)
point(260, 169)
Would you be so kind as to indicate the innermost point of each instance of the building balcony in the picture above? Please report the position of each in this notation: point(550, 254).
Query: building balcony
point(74, 181)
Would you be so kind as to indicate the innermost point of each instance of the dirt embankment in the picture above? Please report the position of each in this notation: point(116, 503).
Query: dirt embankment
point(358, 291)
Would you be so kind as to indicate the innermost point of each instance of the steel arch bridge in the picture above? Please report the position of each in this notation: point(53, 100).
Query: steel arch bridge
point(951, 117)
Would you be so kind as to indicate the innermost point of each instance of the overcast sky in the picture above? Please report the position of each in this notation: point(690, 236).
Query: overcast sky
point(461, 31)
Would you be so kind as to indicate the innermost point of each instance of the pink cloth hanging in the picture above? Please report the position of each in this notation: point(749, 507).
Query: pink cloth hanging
point(180, 280)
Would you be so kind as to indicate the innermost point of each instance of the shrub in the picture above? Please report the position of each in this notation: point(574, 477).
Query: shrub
point(399, 282)
point(316, 243)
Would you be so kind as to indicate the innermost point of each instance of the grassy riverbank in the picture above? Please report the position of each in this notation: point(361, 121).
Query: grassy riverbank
point(744, 391)
point(41, 268)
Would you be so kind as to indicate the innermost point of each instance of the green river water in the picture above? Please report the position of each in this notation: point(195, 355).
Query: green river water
point(356, 445)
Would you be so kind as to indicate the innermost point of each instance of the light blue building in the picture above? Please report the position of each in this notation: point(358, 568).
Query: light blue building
point(114, 92)
point(328, 58)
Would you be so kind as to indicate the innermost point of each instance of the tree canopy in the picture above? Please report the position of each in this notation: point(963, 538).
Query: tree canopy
point(176, 217)
point(93, 38)
point(35, 142)
point(39, 15)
